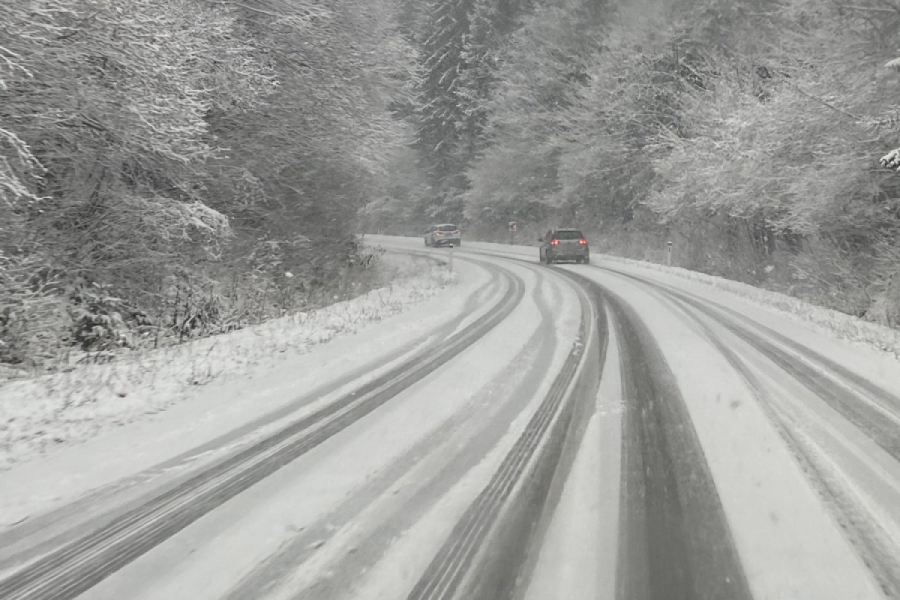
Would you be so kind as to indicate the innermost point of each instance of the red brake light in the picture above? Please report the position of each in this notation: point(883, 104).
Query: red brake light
point(554, 242)
point(437, 233)
point(583, 242)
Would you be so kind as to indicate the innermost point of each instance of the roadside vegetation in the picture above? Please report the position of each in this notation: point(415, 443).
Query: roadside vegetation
point(172, 169)
point(75, 404)
point(756, 136)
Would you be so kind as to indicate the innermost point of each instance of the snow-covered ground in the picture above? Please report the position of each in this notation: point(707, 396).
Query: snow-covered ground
point(579, 555)
point(803, 491)
point(43, 413)
point(388, 487)
point(790, 544)
point(789, 522)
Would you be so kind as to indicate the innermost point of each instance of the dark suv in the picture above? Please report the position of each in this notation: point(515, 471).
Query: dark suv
point(565, 244)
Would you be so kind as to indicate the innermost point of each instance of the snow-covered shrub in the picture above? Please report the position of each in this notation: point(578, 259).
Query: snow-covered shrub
point(97, 318)
point(33, 319)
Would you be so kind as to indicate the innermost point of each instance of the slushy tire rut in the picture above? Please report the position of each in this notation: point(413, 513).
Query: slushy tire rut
point(674, 540)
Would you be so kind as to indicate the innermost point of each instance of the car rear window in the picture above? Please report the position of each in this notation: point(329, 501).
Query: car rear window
point(448, 227)
point(568, 235)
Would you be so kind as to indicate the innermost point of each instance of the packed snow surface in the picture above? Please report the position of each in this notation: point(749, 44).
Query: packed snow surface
point(362, 514)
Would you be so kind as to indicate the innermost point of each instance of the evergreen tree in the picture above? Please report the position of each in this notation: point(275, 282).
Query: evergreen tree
point(458, 49)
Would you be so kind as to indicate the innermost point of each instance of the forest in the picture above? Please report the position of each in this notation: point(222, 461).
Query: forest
point(178, 168)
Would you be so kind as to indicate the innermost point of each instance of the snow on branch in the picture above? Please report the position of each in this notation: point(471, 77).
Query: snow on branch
point(891, 160)
point(11, 185)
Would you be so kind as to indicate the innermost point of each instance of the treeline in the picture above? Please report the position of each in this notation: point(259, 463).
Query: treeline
point(172, 168)
point(748, 133)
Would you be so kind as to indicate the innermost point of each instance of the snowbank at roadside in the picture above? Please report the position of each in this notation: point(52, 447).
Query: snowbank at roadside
point(845, 326)
point(70, 407)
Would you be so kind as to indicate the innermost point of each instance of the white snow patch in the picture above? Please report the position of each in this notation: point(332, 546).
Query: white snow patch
point(46, 412)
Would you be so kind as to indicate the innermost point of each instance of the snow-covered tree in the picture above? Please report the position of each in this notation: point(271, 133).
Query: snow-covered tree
point(148, 146)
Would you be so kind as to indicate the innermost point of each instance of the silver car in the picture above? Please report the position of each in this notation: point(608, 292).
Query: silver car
point(442, 235)
point(564, 244)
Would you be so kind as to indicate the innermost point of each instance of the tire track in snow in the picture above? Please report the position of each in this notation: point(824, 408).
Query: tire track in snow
point(480, 437)
point(506, 565)
point(870, 408)
point(857, 522)
point(482, 556)
point(73, 520)
point(674, 539)
point(873, 410)
point(876, 547)
point(72, 569)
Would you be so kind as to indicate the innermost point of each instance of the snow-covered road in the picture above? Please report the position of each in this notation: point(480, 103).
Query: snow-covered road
point(566, 432)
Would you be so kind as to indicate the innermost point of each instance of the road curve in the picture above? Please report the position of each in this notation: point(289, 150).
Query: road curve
point(688, 531)
point(577, 432)
point(67, 571)
point(697, 480)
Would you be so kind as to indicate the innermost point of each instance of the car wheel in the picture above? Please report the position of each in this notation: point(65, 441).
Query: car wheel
point(586, 260)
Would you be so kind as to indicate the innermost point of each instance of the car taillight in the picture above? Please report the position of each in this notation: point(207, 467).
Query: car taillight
point(582, 242)
point(554, 242)
point(437, 233)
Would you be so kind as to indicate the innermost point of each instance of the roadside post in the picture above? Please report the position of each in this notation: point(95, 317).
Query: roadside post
point(669, 253)
point(512, 233)
point(450, 259)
